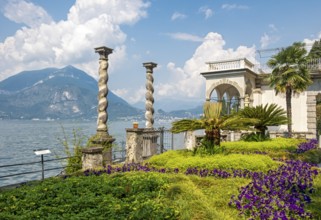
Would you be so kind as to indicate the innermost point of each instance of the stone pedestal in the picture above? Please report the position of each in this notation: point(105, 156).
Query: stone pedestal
point(190, 140)
point(104, 141)
point(141, 143)
point(134, 145)
point(92, 158)
point(149, 143)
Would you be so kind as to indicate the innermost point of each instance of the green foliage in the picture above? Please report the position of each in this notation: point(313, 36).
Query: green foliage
point(311, 156)
point(272, 145)
point(207, 148)
point(130, 196)
point(314, 206)
point(217, 192)
point(203, 198)
point(255, 137)
point(72, 149)
point(99, 140)
point(180, 159)
point(213, 122)
point(151, 195)
point(290, 74)
point(289, 69)
point(268, 115)
point(123, 196)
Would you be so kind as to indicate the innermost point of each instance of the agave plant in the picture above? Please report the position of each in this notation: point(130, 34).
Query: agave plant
point(268, 115)
point(213, 122)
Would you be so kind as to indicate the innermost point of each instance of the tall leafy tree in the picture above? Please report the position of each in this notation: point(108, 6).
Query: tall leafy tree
point(267, 115)
point(290, 74)
point(213, 122)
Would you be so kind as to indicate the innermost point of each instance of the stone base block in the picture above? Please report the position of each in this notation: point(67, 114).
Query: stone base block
point(92, 158)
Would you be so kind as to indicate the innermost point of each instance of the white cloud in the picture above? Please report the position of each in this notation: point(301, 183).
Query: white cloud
point(121, 92)
point(177, 15)
point(266, 40)
point(26, 13)
point(185, 36)
point(269, 38)
point(186, 81)
point(234, 6)
point(138, 95)
point(206, 11)
point(309, 42)
point(89, 24)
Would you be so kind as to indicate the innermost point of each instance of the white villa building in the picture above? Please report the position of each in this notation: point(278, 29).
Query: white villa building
point(242, 83)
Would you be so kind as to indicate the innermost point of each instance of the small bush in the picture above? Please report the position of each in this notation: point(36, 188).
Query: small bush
point(72, 149)
point(254, 137)
point(208, 148)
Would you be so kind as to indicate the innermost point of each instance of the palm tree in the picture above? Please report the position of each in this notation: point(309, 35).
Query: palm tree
point(289, 75)
point(213, 122)
point(268, 115)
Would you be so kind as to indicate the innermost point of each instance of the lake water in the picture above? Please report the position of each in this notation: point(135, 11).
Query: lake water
point(19, 139)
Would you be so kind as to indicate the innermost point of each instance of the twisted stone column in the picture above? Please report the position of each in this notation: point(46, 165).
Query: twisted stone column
point(103, 89)
point(149, 114)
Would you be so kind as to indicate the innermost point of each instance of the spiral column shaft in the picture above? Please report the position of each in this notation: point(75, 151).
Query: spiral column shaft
point(149, 104)
point(103, 89)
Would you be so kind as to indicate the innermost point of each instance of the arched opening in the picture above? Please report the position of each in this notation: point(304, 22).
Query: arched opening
point(228, 95)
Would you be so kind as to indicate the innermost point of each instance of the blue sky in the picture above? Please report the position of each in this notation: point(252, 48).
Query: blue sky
point(180, 36)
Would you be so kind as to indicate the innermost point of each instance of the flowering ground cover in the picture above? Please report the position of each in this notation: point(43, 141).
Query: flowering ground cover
point(178, 185)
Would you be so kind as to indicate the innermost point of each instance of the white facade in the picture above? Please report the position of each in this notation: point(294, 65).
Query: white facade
point(240, 80)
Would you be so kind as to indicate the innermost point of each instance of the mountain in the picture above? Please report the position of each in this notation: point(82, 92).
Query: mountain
point(66, 93)
point(173, 104)
point(188, 113)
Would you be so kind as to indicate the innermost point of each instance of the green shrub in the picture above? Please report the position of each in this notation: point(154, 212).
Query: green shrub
point(208, 148)
point(72, 149)
point(314, 206)
point(162, 159)
point(311, 156)
point(255, 137)
point(272, 145)
point(183, 160)
point(123, 196)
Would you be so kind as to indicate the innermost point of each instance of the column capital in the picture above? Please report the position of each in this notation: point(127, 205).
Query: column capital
point(150, 65)
point(103, 52)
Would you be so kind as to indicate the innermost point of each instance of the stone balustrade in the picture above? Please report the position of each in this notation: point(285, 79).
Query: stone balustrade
point(313, 65)
point(230, 65)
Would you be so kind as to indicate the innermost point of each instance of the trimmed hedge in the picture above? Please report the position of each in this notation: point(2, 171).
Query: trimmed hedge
point(274, 145)
point(183, 160)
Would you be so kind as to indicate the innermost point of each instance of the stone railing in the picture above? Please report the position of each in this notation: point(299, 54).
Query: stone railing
point(230, 65)
point(313, 65)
